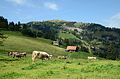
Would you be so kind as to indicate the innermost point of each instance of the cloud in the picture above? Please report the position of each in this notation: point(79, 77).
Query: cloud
point(21, 2)
point(114, 21)
point(51, 5)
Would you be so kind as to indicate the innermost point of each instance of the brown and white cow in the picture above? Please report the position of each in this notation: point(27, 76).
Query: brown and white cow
point(92, 58)
point(16, 54)
point(41, 55)
point(23, 54)
point(62, 57)
point(12, 53)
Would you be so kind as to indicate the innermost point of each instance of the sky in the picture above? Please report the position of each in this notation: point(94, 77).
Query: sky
point(105, 12)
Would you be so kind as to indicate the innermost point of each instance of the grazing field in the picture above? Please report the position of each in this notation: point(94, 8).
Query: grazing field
point(17, 42)
point(75, 67)
point(58, 69)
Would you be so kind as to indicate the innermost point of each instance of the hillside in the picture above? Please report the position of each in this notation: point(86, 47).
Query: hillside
point(89, 37)
point(76, 67)
point(17, 42)
point(29, 38)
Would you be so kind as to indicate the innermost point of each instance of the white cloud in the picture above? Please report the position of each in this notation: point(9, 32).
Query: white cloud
point(114, 21)
point(51, 5)
point(21, 2)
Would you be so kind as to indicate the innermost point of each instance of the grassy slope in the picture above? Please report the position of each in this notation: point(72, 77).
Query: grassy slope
point(17, 42)
point(67, 35)
point(55, 68)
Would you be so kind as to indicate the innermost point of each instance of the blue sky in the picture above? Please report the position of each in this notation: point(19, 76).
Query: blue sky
point(105, 12)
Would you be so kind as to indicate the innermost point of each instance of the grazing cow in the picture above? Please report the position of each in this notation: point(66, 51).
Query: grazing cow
point(12, 53)
point(92, 58)
point(23, 54)
point(16, 54)
point(41, 55)
point(62, 57)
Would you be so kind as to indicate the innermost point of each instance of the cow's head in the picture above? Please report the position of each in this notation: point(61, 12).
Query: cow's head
point(50, 56)
point(10, 53)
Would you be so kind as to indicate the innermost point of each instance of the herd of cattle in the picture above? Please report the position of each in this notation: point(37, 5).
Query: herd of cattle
point(40, 55)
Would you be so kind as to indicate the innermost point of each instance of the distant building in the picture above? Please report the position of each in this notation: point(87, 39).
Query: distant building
point(55, 43)
point(72, 49)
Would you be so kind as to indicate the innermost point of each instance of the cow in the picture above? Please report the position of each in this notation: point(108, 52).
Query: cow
point(16, 54)
point(12, 53)
point(92, 58)
point(23, 54)
point(40, 55)
point(62, 57)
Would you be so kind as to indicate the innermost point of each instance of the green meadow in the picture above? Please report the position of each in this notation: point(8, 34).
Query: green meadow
point(75, 67)
point(58, 69)
point(67, 36)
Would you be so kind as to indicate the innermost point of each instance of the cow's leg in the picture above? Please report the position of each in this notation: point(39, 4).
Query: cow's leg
point(42, 60)
point(13, 55)
point(25, 55)
point(33, 60)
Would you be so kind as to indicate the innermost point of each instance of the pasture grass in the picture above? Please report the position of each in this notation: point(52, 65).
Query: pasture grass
point(22, 68)
point(79, 68)
point(17, 42)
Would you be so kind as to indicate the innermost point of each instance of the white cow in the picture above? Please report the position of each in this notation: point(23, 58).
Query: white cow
point(92, 58)
point(41, 55)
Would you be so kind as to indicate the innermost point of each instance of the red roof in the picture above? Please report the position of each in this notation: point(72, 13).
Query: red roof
point(71, 47)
